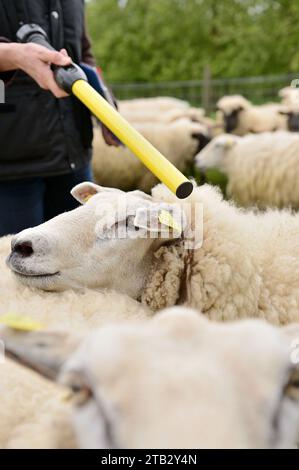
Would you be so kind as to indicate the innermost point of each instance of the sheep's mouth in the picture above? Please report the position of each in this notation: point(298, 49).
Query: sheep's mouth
point(36, 276)
point(33, 275)
point(19, 270)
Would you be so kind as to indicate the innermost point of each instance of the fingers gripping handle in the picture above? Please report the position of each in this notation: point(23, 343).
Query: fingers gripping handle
point(64, 76)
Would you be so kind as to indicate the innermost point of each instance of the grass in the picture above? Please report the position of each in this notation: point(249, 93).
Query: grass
point(211, 176)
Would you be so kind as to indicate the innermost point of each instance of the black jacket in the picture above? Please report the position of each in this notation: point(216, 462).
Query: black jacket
point(39, 134)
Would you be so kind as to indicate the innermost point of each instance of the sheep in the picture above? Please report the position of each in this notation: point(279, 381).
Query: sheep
point(262, 169)
point(140, 116)
point(226, 262)
point(164, 383)
point(290, 112)
point(165, 117)
point(23, 395)
point(76, 309)
point(158, 104)
point(118, 167)
point(289, 95)
point(241, 117)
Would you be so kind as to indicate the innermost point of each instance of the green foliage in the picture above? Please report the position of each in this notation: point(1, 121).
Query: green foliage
point(158, 40)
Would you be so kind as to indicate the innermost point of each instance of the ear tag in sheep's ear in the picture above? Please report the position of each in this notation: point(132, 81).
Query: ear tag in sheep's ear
point(87, 197)
point(230, 142)
point(165, 218)
point(67, 396)
point(20, 322)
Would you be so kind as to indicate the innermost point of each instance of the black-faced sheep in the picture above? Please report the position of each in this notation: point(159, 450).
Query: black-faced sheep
point(240, 117)
point(262, 169)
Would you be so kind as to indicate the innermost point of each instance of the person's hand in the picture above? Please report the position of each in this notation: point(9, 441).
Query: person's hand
point(36, 61)
point(110, 138)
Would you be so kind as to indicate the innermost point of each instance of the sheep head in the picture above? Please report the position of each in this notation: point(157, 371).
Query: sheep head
point(215, 153)
point(230, 108)
point(176, 381)
point(108, 242)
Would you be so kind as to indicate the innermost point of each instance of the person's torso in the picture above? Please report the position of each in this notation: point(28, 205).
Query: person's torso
point(43, 135)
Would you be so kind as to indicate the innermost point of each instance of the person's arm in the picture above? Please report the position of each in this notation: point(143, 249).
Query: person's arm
point(34, 60)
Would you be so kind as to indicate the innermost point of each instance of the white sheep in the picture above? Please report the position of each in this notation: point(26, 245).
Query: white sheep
point(158, 104)
point(262, 169)
point(165, 117)
point(289, 95)
point(179, 142)
point(240, 117)
point(23, 395)
point(151, 248)
point(164, 383)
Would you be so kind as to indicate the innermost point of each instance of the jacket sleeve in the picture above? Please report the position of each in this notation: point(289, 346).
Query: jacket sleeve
point(6, 76)
point(87, 55)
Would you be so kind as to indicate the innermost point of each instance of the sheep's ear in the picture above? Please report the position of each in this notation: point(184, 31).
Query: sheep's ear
point(84, 191)
point(44, 352)
point(168, 220)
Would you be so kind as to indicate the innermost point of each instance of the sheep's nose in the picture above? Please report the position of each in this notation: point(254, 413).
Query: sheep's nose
point(23, 248)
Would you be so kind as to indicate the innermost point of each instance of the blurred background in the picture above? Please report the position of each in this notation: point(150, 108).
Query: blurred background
point(196, 50)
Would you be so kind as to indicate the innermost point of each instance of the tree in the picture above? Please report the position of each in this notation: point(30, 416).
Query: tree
point(154, 40)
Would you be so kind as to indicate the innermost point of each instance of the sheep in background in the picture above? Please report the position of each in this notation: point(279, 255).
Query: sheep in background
point(241, 374)
point(157, 104)
point(246, 265)
point(289, 95)
point(262, 169)
point(165, 110)
point(291, 112)
point(147, 116)
point(240, 117)
point(165, 117)
point(179, 141)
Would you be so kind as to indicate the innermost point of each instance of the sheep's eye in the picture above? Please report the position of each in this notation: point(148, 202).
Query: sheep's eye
point(80, 394)
point(292, 387)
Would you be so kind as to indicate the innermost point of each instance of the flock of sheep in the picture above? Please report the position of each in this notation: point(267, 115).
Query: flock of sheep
point(105, 366)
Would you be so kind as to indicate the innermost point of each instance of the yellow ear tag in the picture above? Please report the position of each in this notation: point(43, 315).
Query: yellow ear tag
point(67, 396)
point(230, 142)
point(166, 218)
point(20, 322)
point(86, 198)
